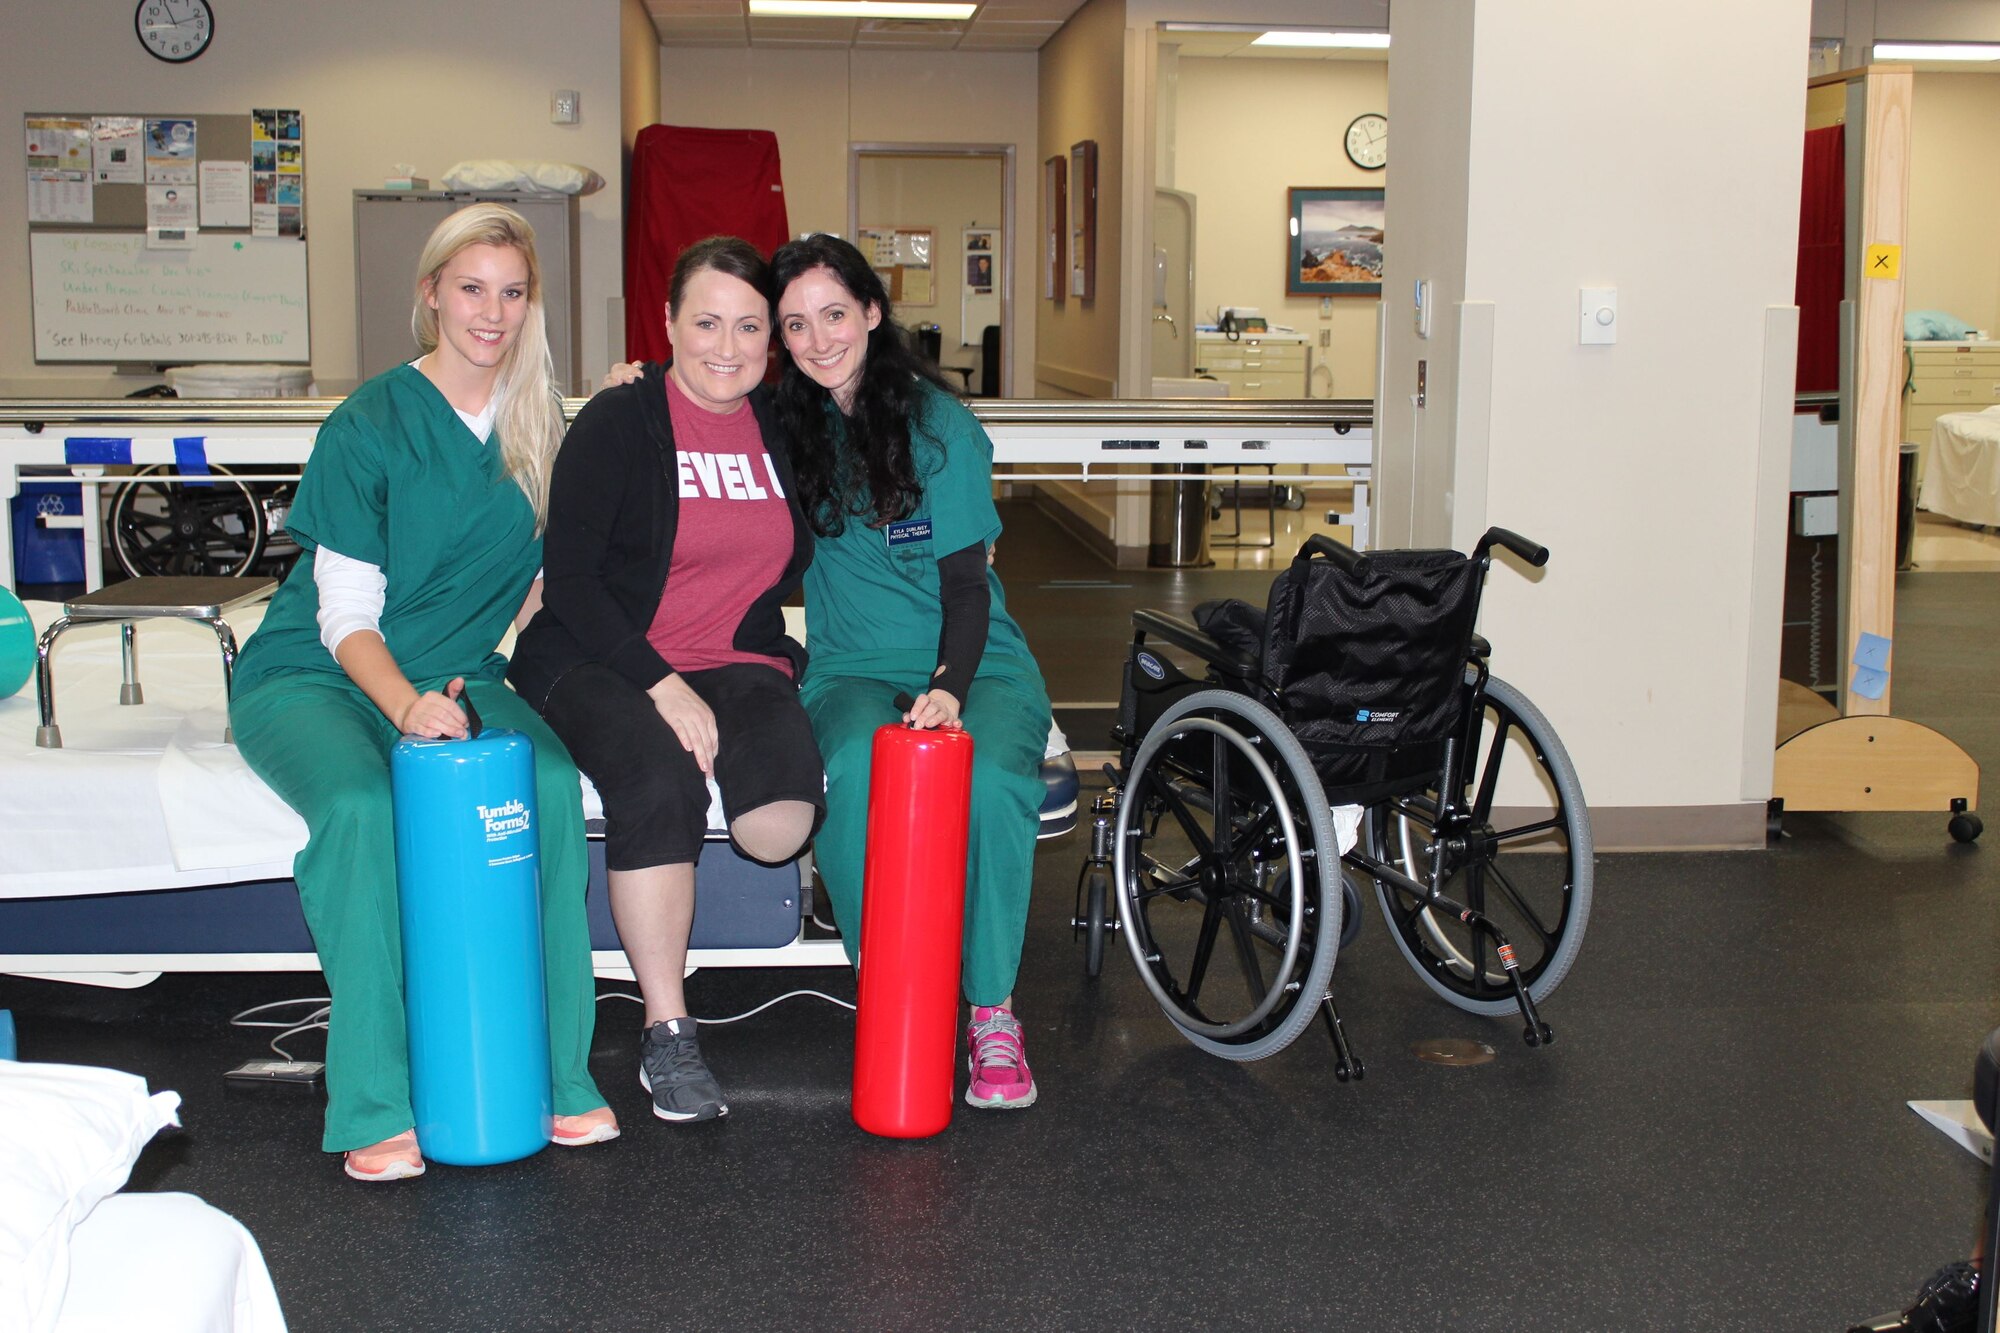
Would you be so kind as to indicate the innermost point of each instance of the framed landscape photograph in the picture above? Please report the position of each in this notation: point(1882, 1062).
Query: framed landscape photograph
point(1335, 247)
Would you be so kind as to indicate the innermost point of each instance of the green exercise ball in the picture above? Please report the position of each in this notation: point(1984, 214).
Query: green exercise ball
point(17, 644)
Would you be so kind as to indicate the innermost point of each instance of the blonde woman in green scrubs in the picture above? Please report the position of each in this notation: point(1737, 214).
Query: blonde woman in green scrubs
point(420, 515)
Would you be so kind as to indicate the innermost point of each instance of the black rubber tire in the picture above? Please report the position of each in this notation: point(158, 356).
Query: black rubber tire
point(1096, 910)
point(1965, 827)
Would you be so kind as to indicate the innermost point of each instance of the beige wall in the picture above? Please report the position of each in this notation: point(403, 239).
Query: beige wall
point(1952, 261)
point(1653, 468)
point(819, 101)
point(638, 73)
point(945, 194)
point(1241, 141)
point(378, 82)
point(1082, 97)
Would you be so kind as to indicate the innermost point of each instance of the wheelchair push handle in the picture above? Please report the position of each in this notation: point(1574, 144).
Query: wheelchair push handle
point(1346, 558)
point(1534, 553)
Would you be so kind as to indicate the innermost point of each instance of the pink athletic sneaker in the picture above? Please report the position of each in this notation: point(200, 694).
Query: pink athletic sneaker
point(1001, 1080)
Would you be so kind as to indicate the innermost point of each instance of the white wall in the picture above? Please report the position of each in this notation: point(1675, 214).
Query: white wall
point(1644, 466)
point(1952, 261)
point(378, 82)
point(1246, 131)
point(819, 101)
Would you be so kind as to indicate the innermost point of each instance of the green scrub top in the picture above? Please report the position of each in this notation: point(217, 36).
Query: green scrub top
point(873, 605)
point(398, 480)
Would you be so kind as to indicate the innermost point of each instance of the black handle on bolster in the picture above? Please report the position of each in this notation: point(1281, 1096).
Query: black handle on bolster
point(472, 723)
point(1534, 553)
point(904, 701)
point(1347, 558)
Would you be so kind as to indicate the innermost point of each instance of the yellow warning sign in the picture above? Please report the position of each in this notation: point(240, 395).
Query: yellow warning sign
point(1883, 261)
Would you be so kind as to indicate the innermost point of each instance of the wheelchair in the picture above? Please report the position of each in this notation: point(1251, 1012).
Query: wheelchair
point(1347, 737)
point(218, 527)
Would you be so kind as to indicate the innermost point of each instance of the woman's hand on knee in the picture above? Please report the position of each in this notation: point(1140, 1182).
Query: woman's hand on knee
point(436, 713)
point(934, 708)
point(692, 720)
point(624, 372)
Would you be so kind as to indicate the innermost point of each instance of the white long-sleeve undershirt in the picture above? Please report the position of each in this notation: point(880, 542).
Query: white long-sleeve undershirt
point(352, 592)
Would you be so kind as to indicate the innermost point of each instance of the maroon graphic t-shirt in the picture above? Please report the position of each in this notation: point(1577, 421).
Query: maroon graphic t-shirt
point(732, 541)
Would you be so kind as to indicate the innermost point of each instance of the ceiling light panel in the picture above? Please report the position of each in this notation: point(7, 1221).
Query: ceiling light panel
point(1955, 51)
point(866, 9)
point(1357, 41)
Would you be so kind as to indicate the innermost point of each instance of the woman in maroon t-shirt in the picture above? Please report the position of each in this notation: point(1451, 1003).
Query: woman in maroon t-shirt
point(660, 655)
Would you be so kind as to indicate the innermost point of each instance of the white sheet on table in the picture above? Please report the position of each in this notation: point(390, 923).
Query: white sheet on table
point(1962, 473)
point(167, 1263)
point(146, 796)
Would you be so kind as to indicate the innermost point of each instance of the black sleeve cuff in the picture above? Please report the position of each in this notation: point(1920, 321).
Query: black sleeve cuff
point(968, 610)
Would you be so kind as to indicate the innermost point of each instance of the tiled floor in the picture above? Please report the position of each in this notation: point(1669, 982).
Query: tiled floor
point(1945, 546)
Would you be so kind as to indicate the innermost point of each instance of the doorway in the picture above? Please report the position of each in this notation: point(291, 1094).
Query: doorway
point(936, 219)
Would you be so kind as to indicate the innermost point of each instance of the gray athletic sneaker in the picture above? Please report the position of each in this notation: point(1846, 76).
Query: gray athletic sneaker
point(670, 1067)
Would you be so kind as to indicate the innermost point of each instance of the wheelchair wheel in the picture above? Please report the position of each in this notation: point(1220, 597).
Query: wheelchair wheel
point(1529, 870)
point(158, 527)
point(1219, 804)
point(1096, 923)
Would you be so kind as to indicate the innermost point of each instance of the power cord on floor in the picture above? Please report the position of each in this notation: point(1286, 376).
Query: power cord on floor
point(314, 1021)
point(736, 1018)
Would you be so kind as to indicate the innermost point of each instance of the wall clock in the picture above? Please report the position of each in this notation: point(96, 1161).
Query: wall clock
point(1368, 142)
point(175, 31)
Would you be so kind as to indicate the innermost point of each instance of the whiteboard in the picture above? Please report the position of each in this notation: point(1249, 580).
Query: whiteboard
point(104, 296)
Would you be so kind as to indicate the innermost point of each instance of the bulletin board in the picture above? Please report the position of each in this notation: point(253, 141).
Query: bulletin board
point(906, 259)
point(167, 239)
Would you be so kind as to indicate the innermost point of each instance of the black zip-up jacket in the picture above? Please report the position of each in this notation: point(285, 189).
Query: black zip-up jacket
point(609, 542)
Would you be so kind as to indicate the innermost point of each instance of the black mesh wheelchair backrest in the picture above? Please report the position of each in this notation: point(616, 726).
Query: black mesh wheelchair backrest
point(1369, 669)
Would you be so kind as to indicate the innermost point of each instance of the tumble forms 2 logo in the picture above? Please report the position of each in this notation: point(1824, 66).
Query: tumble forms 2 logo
point(504, 821)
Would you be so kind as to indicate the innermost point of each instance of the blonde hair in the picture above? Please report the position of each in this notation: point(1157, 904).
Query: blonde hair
point(526, 411)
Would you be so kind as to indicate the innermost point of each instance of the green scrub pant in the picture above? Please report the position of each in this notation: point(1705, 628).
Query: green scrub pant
point(1009, 722)
point(324, 748)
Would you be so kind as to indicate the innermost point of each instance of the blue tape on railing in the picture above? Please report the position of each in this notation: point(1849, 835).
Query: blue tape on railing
point(191, 456)
point(96, 449)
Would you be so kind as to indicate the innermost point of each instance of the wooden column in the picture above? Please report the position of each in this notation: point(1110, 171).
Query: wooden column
point(1878, 105)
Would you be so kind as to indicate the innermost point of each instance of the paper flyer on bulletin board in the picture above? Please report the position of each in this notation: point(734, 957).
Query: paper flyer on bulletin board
point(118, 155)
point(277, 173)
point(170, 152)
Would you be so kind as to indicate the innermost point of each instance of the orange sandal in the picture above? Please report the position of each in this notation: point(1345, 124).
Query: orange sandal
point(575, 1131)
point(391, 1159)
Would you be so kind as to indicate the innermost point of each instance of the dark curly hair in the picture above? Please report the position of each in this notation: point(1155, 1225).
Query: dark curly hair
point(879, 482)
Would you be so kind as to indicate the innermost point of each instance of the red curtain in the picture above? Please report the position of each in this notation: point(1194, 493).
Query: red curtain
point(1822, 258)
point(688, 184)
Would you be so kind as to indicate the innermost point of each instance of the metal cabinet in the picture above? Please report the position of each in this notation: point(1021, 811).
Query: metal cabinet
point(1258, 365)
point(390, 228)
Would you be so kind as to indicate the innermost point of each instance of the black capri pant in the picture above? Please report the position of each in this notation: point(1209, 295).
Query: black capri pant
point(655, 797)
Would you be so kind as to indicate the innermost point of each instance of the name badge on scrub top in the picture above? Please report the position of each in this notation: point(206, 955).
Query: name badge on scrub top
point(908, 532)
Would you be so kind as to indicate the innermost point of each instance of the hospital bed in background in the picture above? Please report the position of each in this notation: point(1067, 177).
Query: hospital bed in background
point(1962, 471)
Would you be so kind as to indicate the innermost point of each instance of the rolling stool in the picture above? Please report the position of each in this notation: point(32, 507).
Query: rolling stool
point(127, 603)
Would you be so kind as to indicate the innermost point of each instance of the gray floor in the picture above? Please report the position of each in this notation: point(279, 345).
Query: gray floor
point(1717, 1141)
